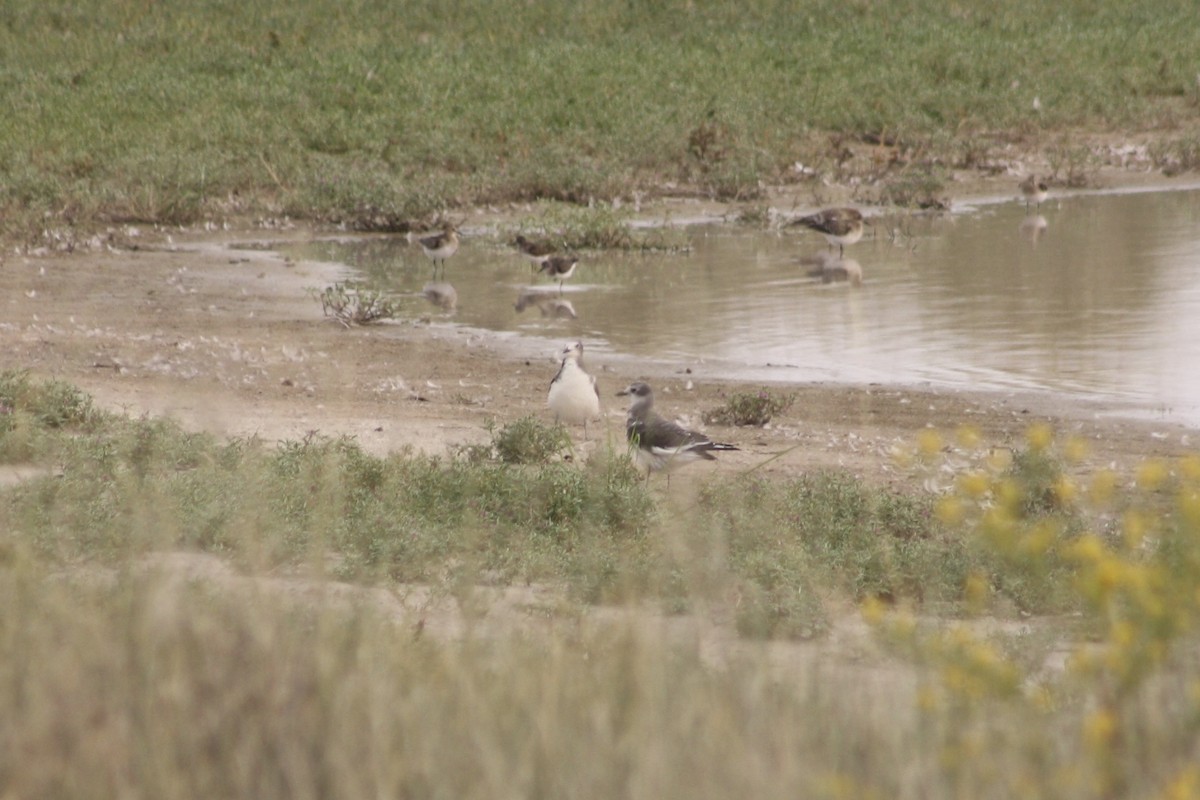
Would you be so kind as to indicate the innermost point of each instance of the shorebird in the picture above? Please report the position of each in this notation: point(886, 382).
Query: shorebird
point(440, 246)
point(841, 226)
point(573, 396)
point(561, 267)
point(1034, 191)
point(535, 251)
point(659, 444)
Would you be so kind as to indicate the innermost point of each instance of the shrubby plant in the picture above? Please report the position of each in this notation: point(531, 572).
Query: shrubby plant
point(750, 408)
point(1099, 723)
point(351, 305)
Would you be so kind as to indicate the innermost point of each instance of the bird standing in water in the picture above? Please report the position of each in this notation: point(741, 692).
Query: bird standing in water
point(561, 267)
point(440, 246)
point(841, 226)
point(1034, 191)
point(536, 251)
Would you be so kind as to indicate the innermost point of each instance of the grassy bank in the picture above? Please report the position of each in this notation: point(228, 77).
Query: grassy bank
point(376, 114)
point(120, 677)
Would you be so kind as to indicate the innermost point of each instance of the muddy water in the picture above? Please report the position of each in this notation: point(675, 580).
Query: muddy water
point(1095, 296)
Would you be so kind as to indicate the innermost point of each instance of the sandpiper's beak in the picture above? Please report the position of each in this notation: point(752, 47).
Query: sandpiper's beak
point(624, 392)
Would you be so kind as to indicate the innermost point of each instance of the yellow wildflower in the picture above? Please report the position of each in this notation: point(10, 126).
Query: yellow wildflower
point(1076, 449)
point(1189, 506)
point(1189, 468)
point(1040, 436)
point(929, 442)
point(1134, 526)
point(1066, 490)
point(973, 484)
point(873, 610)
point(968, 436)
point(976, 591)
point(1152, 474)
point(1185, 785)
point(1099, 728)
point(950, 511)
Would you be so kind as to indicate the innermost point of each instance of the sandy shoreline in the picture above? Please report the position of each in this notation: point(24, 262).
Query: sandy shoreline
point(232, 342)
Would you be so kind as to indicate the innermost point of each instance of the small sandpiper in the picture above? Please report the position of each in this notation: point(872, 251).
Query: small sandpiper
point(659, 444)
point(440, 246)
point(573, 396)
point(561, 267)
point(536, 251)
point(1034, 191)
point(841, 226)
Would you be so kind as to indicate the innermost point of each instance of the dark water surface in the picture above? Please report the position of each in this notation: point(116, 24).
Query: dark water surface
point(1098, 296)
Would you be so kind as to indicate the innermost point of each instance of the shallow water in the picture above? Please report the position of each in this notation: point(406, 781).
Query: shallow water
point(1095, 296)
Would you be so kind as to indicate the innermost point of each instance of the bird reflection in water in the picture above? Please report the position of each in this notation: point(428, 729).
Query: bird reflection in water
point(547, 302)
point(441, 295)
point(828, 267)
point(1032, 227)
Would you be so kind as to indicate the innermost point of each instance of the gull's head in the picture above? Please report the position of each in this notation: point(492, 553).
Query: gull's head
point(636, 390)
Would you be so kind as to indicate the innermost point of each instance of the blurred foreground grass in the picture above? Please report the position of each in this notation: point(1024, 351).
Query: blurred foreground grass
point(1035, 626)
point(376, 115)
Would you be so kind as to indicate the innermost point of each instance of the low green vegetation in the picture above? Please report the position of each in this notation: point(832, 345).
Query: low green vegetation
point(1077, 680)
point(525, 441)
point(603, 228)
point(374, 117)
point(750, 408)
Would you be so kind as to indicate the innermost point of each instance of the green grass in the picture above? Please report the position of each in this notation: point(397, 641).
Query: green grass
point(525, 441)
point(376, 116)
point(601, 228)
point(517, 509)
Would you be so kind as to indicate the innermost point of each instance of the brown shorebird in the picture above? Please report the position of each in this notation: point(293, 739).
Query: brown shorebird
point(440, 246)
point(841, 226)
point(561, 267)
point(535, 251)
point(1034, 191)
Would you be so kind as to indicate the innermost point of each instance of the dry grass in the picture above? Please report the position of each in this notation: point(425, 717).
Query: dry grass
point(124, 674)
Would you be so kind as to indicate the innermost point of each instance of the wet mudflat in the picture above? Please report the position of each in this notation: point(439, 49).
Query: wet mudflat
point(1093, 296)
